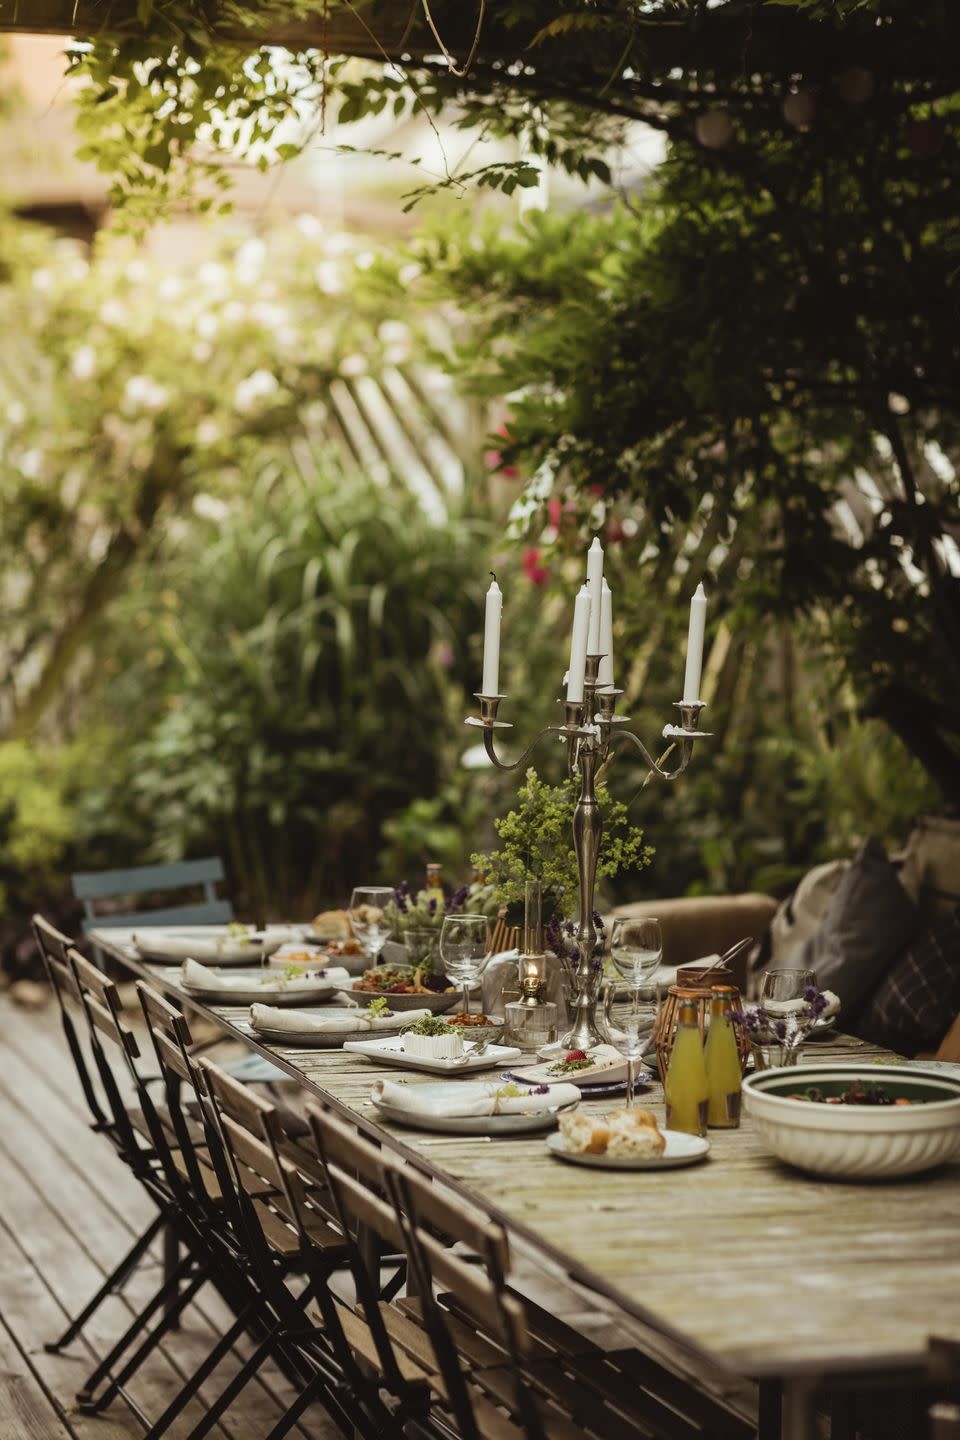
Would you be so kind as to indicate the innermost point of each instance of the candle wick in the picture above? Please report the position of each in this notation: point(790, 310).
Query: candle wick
point(494, 574)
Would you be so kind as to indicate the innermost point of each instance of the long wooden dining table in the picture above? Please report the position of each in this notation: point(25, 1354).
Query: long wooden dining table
point(740, 1262)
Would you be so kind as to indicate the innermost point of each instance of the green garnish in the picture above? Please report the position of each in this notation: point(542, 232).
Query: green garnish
point(565, 1067)
point(508, 1092)
point(378, 1008)
point(431, 1025)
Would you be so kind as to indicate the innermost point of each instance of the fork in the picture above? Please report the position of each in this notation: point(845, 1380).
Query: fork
point(478, 1049)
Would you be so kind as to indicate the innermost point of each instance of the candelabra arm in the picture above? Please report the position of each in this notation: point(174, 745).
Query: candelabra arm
point(685, 733)
point(655, 766)
point(488, 745)
point(571, 731)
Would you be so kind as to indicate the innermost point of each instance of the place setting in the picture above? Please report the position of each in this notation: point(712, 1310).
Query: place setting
point(233, 944)
point(290, 986)
point(332, 1028)
point(494, 1107)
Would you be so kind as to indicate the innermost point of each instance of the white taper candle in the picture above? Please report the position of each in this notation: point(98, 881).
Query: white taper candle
point(578, 646)
point(491, 640)
point(698, 620)
point(605, 673)
point(594, 583)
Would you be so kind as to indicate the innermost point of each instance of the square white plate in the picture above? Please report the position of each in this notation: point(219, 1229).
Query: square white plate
point(390, 1051)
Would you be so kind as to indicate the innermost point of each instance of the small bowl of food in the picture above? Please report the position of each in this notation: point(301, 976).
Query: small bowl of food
point(856, 1122)
point(476, 1026)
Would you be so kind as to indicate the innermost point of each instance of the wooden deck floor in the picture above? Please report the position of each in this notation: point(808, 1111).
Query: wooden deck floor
point(68, 1210)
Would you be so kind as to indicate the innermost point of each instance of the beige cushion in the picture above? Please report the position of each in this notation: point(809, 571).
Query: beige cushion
point(930, 869)
point(696, 925)
point(798, 917)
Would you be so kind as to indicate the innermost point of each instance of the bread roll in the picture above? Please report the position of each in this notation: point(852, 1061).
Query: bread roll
point(332, 925)
point(634, 1133)
point(583, 1134)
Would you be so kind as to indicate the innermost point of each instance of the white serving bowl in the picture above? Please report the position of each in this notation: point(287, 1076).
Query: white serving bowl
point(856, 1142)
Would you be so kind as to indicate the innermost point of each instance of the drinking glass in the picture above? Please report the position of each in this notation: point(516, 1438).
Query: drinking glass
point(369, 918)
point(779, 986)
point(636, 948)
point(629, 1021)
point(464, 950)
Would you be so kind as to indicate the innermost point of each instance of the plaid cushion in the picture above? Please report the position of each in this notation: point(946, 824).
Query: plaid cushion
point(916, 1002)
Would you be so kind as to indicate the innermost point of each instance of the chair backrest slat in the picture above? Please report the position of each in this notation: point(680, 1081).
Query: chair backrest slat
point(141, 879)
point(54, 950)
point(170, 1035)
point(103, 1005)
point(360, 1206)
point(93, 887)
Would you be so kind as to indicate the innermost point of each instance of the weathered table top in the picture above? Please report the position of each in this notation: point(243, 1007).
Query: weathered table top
point(767, 1271)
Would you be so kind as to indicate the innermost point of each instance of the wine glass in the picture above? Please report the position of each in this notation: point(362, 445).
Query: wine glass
point(629, 1021)
point(778, 987)
point(369, 918)
point(636, 947)
point(464, 950)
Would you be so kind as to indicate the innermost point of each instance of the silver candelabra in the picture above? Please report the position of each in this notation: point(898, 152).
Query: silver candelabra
point(590, 743)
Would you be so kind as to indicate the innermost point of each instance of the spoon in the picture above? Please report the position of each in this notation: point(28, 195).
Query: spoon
point(734, 950)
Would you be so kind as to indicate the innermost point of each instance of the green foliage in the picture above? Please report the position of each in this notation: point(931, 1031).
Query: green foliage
point(536, 842)
point(768, 353)
point(35, 825)
point(286, 641)
point(127, 389)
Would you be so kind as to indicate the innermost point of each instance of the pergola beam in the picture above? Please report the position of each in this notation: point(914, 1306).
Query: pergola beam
point(728, 43)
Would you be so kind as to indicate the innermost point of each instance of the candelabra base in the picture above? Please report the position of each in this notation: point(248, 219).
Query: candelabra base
point(581, 996)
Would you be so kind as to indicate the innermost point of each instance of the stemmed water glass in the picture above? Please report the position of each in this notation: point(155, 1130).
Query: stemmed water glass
point(629, 1021)
point(636, 947)
point(782, 985)
point(464, 950)
point(370, 918)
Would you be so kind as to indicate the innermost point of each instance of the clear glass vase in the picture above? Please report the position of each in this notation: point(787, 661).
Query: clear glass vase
point(773, 1055)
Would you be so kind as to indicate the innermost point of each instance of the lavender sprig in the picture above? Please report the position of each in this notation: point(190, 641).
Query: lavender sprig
point(788, 1030)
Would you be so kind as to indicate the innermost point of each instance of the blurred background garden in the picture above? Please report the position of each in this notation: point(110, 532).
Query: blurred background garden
point(256, 464)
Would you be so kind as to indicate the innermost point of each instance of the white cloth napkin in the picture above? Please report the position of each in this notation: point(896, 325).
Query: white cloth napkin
point(272, 1017)
point(199, 977)
point(793, 1007)
point(467, 1098)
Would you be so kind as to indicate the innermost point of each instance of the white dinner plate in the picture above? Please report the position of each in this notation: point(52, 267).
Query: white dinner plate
point(536, 1121)
point(244, 987)
point(318, 1039)
point(202, 943)
point(680, 1149)
point(390, 1051)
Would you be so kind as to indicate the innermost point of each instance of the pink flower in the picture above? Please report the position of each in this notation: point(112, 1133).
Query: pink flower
point(494, 460)
point(536, 573)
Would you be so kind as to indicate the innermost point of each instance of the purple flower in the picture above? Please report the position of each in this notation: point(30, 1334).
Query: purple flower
point(431, 908)
point(540, 1090)
point(456, 900)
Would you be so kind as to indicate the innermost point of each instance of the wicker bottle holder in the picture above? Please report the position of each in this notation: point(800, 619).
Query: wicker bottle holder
point(695, 982)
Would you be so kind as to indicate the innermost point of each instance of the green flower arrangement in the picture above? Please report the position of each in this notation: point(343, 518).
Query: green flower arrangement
point(536, 843)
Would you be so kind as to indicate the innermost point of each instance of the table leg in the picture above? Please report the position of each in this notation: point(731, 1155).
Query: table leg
point(768, 1410)
point(798, 1410)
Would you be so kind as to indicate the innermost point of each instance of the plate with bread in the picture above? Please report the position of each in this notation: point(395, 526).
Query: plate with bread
point(626, 1139)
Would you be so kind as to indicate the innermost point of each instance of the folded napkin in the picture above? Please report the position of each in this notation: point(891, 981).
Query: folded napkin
point(461, 1098)
point(199, 977)
point(271, 1017)
point(793, 1007)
